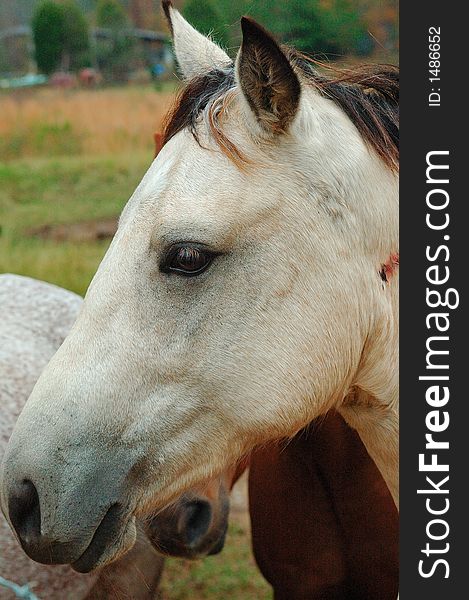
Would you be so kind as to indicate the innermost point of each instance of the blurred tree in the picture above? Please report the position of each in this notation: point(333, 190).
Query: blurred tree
point(48, 25)
point(345, 26)
point(77, 37)
point(207, 18)
point(60, 34)
point(116, 53)
point(304, 25)
point(312, 26)
point(111, 13)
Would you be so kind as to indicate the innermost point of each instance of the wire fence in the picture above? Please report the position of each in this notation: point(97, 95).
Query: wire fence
point(20, 591)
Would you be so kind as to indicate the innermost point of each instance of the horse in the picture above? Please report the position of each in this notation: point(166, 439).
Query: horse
point(36, 317)
point(250, 288)
point(311, 537)
point(324, 525)
point(306, 500)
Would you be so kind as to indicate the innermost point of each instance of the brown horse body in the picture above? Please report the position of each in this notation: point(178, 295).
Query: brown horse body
point(324, 526)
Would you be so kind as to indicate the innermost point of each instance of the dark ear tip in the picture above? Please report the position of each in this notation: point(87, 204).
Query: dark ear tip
point(247, 21)
point(252, 29)
point(166, 4)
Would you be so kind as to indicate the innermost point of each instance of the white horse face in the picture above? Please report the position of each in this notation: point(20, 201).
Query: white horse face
point(215, 321)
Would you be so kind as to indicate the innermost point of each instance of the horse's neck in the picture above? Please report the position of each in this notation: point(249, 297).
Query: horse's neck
point(372, 406)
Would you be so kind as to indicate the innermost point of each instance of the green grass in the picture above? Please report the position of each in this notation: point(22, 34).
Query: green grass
point(45, 138)
point(39, 192)
point(231, 574)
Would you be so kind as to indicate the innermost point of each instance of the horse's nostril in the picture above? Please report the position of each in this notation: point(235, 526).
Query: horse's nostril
point(24, 511)
point(196, 522)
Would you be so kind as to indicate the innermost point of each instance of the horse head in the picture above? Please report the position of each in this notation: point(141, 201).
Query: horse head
point(196, 523)
point(240, 298)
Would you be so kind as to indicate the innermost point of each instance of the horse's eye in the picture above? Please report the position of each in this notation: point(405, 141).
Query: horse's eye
point(187, 260)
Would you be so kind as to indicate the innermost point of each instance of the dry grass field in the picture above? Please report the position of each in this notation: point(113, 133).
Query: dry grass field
point(54, 122)
point(73, 158)
point(68, 157)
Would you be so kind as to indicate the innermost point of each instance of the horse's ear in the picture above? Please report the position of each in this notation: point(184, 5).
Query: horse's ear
point(267, 79)
point(196, 54)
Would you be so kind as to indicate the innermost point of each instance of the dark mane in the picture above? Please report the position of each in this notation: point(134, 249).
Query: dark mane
point(368, 95)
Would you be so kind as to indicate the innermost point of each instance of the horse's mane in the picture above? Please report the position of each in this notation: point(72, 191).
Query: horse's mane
point(368, 94)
